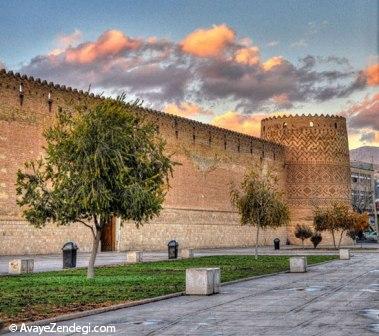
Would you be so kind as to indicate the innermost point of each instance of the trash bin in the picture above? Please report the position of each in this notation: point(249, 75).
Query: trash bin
point(69, 254)
point(277, 243)
point(173, 249)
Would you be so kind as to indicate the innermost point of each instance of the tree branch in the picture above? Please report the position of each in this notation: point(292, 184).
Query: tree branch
point(89, 226)
point(97, 225)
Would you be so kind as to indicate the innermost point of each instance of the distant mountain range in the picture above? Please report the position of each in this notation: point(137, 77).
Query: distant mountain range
point(368, 154)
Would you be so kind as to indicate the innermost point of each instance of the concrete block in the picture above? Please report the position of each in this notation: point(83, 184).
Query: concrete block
point(186, 253)
point(134, 256)
point(216, 280)
point(344, 254)
point(19, 266)
point(298, 264)
point(202, 281)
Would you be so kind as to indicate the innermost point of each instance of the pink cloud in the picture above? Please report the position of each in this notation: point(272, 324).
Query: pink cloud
point(207, 65)
point(109, 43)
point(70, 40)
point(364, 114)
point(235, 121)
point(186, 109)
point(66, 41)
point(372, 75)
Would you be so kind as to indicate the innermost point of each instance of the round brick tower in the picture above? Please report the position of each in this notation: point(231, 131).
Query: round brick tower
point(317, 163)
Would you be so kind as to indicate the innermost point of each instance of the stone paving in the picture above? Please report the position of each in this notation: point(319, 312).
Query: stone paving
point(339, 298)
point(52, 262)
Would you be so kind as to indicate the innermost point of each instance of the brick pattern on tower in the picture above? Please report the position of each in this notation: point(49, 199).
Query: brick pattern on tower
point(317, 162)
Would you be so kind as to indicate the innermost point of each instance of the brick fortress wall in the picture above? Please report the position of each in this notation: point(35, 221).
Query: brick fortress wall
point(197, 210)
point(317, 163)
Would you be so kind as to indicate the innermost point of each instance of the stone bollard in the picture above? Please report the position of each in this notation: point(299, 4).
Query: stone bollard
point(202, 281)
point(186, 253)
point(19, 266)
point(344, 254)
point(134, 256)
point(298, 264)
point(216, 280)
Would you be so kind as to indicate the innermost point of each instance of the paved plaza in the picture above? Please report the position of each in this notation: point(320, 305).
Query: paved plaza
point(335, 298)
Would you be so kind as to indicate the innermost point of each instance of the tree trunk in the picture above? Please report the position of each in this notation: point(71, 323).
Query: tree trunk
point(339, 242)
point(334, 240)
point(95, 246)
point(256, 242)
point(302, 243)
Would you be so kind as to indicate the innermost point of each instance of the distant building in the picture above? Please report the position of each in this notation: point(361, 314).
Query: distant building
point(364, 190)
point(367, 154)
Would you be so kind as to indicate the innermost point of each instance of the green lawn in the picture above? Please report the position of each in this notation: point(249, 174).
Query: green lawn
point(40, 295)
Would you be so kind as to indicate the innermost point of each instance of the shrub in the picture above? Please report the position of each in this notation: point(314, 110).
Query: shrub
point(316, 239)
point(303, 232)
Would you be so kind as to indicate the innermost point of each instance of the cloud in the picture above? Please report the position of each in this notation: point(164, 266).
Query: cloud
point(273, 62)
point(248, 124)
point(70, 40)
point(361, 137)
point(63, 42)
point(148, 69)
point(208, 42)
point(356, 140)
point(364, 114)
point(363, 122)
point(368, 137)
point(372, 75)
point(248, 55)
point(333, 59)
point(248, 84)
point(210, 64)
point(186, 109)
point(110, 43)
point(152, 82)
point(282, 101)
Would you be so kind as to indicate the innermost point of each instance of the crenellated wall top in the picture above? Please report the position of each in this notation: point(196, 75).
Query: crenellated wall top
point(45, 85)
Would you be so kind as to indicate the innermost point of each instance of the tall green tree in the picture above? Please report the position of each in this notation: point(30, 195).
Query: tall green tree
point(259, 203)
point(100, 162)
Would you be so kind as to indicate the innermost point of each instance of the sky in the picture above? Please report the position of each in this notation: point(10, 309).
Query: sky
point(227, 63)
